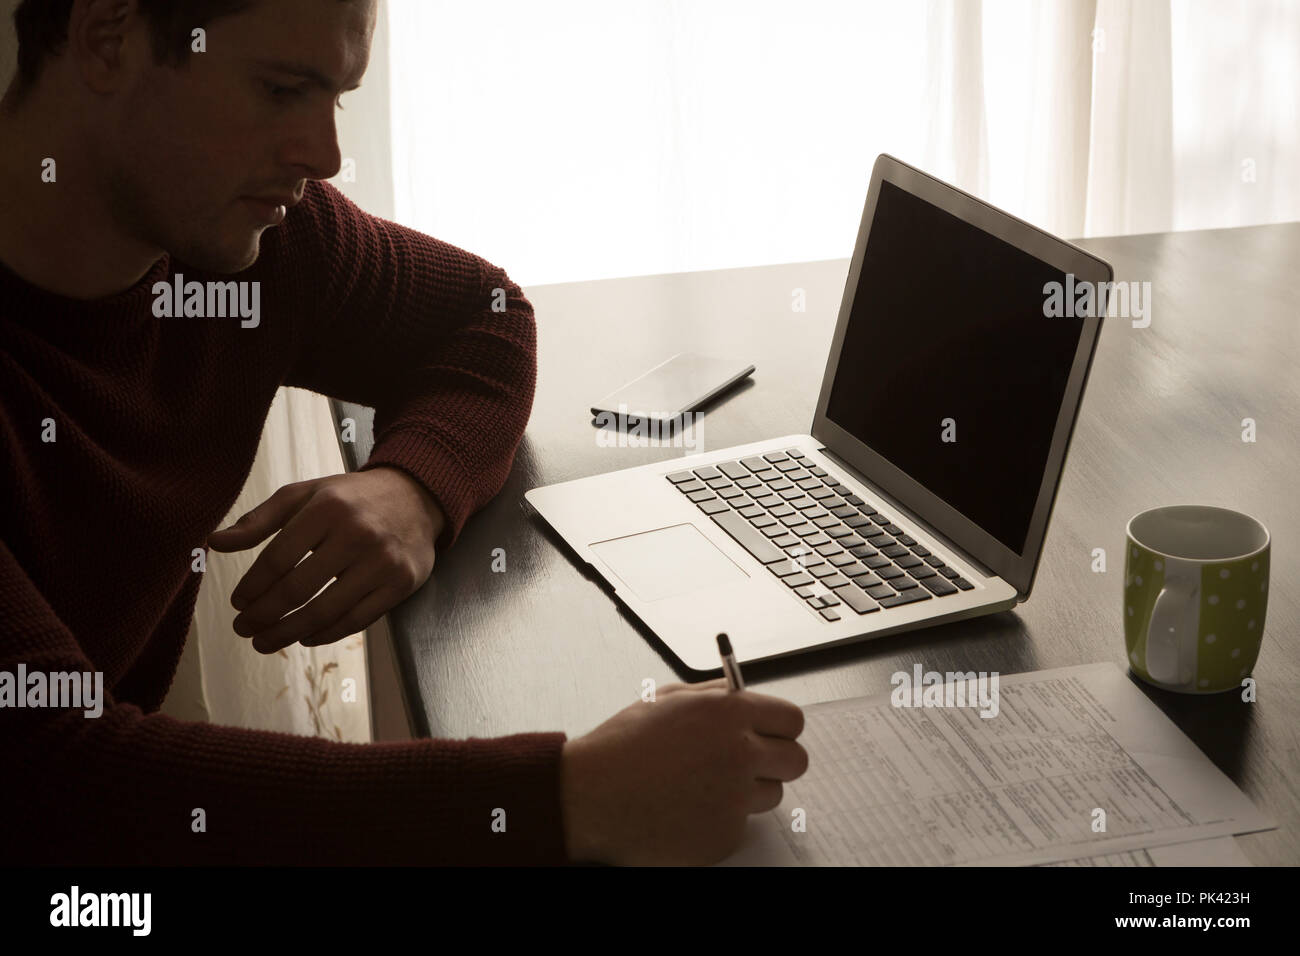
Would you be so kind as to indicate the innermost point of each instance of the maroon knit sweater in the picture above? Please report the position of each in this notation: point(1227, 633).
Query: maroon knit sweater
point(156, 424)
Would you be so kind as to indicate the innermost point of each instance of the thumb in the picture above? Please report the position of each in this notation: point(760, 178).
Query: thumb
point(270, 516)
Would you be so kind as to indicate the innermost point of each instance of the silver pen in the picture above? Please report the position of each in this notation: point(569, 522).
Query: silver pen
point(729, 665)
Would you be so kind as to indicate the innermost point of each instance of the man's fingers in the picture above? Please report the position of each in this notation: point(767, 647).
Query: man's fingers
point(303, 532)
point(294, 589)
point(270, 515)
point(321, 612)
point(774, 717)
point(720, 682)
point(364, 614)
point(780, 759)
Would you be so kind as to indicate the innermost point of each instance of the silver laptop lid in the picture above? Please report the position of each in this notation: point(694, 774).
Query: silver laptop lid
point(948, 384)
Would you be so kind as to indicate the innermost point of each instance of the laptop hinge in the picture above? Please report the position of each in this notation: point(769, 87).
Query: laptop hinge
point(966, 556)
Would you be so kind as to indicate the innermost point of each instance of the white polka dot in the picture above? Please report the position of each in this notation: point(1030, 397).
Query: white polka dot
point(1250, 625)
point(1130, 612)
point(1214, 599)
point(1138, 579)
point(1159, 565)
point(1240, 604)
point(1210, 638)
point(1204, 682)
point(1254, 565)
point(1223, 572)
point(1236, 652)
point(1171, 630)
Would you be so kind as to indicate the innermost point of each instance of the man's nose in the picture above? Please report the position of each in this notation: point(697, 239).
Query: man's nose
point(314, 150)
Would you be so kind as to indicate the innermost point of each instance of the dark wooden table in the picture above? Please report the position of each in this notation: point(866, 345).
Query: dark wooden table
point(542, 647)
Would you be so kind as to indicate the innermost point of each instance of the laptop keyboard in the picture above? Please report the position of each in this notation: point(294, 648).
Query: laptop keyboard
point(828, 546)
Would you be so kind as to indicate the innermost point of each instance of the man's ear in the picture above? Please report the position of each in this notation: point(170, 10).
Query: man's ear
point(105, 38)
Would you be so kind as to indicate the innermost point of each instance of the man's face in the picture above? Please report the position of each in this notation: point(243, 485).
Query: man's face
point(197, 158)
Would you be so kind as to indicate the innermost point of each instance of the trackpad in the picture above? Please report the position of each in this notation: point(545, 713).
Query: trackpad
point(667, 561)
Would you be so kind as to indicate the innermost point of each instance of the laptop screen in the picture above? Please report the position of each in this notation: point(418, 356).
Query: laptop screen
point(948, 368)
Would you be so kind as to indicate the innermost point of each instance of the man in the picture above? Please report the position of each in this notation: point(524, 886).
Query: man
point(168, 259)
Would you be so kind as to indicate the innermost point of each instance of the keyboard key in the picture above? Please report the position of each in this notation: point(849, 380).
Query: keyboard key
point(734, 470)
point(933, 560)
point(805, 530)
point(821, 494)
point(760, 520)
point(722, 481)
point(866, 509)
point(749, 481)
point(906, 597)
point(878, 562)
point(754, 464)
point(867, 581)
point(843, 511)
point(816, 539)
point(798, 580)
point(794, 453)
point(829, 521)
point(829, 613)
point(889, 573)
point(698, 496)
point(749, 537)
point(767, 501)
point(880, 542)
point(805, 483)
point(830, 600)
point(862, 551)
point(853, 500)
point(716, 506)
point(775, 456)
point(799, 476)
point(880, 591)
point(920, 551)
point(729, 492)
point(707, 472)
point(783, 568)
point(678, 477)
point(922, 572)
point(880, 519)
point(781, 510)
point(822, 570)
point(911, 561)
point(852, 541)
point(787, 465)
point(962, 583)
point(894, 551)
point(858, 601)
point(790, 494)
point(817, 470)
point(857, 572)
point(687, 487)
point(828, 549)
point(805, 592)
point(836, 581)
point(857, 521)
point(939, 586)
point(783, 485)
point(840, 532)
point(793, 519)
point(902, 583)
point(893, 529)
point(752, 512)
point(786, 541)
point(769, 475)
point(774, 531)
point(908, 540)
point(948, 572)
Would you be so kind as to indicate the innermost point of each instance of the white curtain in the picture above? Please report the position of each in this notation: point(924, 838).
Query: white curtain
point(581, 139)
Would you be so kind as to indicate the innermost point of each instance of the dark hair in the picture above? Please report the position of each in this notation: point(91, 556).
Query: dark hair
point(42, 28)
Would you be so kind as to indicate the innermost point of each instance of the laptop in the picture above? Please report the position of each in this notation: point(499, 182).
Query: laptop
point(921, 493)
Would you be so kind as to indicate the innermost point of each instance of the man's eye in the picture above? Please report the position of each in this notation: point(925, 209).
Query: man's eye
point(282, 93)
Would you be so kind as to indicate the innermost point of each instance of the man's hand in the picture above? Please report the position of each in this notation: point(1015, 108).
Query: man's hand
point(372, 530)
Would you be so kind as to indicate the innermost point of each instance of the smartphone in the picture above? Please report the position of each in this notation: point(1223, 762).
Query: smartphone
point(671, 389)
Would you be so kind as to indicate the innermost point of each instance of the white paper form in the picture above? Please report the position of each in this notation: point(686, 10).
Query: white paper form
point(1221, 851)
point(925, 786)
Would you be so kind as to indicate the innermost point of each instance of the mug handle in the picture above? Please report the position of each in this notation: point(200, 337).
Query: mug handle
point(1171, 659)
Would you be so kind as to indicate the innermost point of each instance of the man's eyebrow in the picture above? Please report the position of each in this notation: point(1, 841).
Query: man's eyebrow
point(316, 77)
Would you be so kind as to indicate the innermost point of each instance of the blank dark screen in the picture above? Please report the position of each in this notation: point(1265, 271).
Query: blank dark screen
point(947, 322)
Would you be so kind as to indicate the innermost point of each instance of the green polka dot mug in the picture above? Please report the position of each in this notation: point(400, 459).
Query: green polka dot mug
point(1195, 590)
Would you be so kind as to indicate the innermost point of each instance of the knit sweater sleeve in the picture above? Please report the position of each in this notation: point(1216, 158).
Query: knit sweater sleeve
point(125, 787)
point(439, 341)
